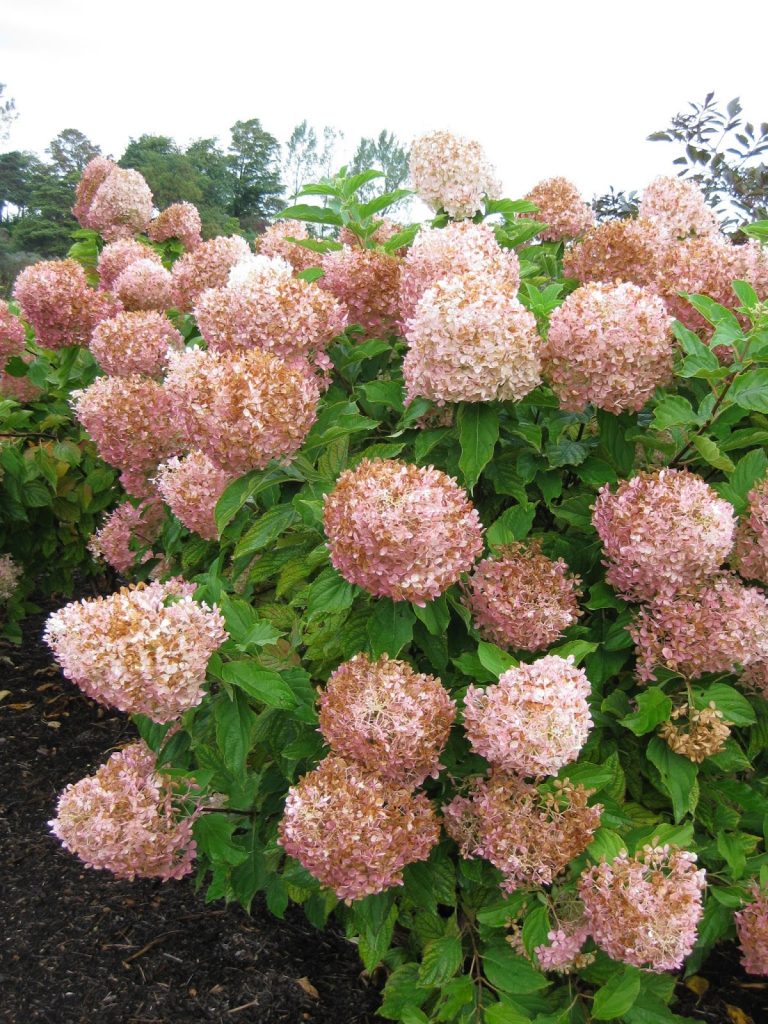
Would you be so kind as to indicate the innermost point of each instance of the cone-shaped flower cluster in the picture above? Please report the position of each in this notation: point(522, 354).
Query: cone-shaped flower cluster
point(135, 342)
point(534, 720)
point(619, 250)
point(191, 486)
point(56, 299)
point(127, 533)
point(10, 574)
point(678, 207)
point(644, 910)
point(611, 346)
point(143, 650)
point(94, 175)
point(561, 208)
point(521, 599)
point(145, 284)
point(116, 256)
point(179, 220)
point(120, 207)
point(12, 336)
point(367, 281)
point(752, 930)
point(750, 550)
point(123, 819)
point(401, 531)
point(391, 719)
point(452, 173)
point(354, 830)
point(208, 266)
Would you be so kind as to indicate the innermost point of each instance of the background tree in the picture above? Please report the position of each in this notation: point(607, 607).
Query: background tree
point(254, 160)
point(70, 151)
point(300, 160)
point(170, 174)
point(387, 154)
point(8, 114)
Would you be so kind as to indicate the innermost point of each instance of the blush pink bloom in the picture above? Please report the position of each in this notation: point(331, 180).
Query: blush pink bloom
point(367, 281)
point(662, 531)
point(275, 242)
point(452, 173)
point(56, 299)
point(530, 835)
point(521, 599)
point(644, 910)
point(470, 340)
point(143, 650)
point(10, 574)
point(534, 720)
point(21, 389)
point(401, 531)
point(145, 284)
point(125, 819)
point(242, 408)
point(752, 930)
point(94, 175)
point(121, 205)
point(135, 342)
point(619, 250)
point(191, 486)
point(750, 550)
point(459, 248)
point(207, 266)
point(562, 208)
point(125, 538)
point(12, 336)
point(678, 207)
point(115, 257)
point(563, 951)
point(717, 626)
point(700, 265)
point(179, 220)
point(354, 830)
point(610, 346)
point(391, 719)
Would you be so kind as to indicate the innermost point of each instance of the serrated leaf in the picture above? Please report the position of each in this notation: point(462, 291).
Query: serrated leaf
point(329, 593)
point(751, 391)
point(440, 961)
point(311, 214)
point(513, 524)
point(478, 427)
point(678, 776)
point(672, 411)
point(710, 452)
point(266, 529)
point(617, 995)
point(262, 684)
point(653, 708)
point(509, 972)
point(735, 707)
point(390, 627)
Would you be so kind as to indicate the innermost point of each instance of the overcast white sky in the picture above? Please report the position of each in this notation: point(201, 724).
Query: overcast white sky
point(552, 88)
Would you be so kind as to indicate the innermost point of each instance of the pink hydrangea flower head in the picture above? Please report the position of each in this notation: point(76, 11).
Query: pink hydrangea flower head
point(242, 408)
point(755, 678)
point(131, 420)
point(145, 284)
point(611, 345)
point(191, 486)
point(12, 336)
point(470, 340)
point(121, 206)
point(179, 220)
point(115, 257)
point(391, 719)
point(716, 626)
point(94, 175)
point(367, 281)
point(207, 266)
point(143, 650)
point(264, 306)
point(124, 819)
point(354, 830)
point(562, 208)
point(275, 242)
point(401, 531)
point(644, 910)
point(534, 720)
point(452, 173)
point(678, 207)
point(750, 550)
point(21, 389)
point(530, 835)
point(58, 302)
point(619, 250)
point(135, 342)
point(562, 953)
point(10, 574)
point(700, 265)
point(458, 248)
point(752, 930)
point(126, 535)
point(662, 531)
point(521, 599)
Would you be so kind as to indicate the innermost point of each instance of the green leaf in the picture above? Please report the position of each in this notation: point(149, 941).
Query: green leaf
point(576, 649)
point(234, 721)
point(494, 659)
point(510, 972)
point(441, 960)
point(513, 524)
point(236, 495)
point(266, 529)
point(678, 776)
point(502, 1013)
point(566, 453)
point(617, 995)
point(731, 849)
point(311, 214)
point(758, 229)
point(355, 181)
point(673, 411)
point(386, 392)
point(383, 202)
point(735, 707)
point(745, 293)
point(390, 627)
point(311, 274)
point(374, 918)
point(613, 439)
point(213, 835)
point(402, 991)
point(435, 615)
point(653, 708)
point(535, 928)
point(751, 391)
point(478, 426)
point(710, 452)
point(262, 684)
point(329, 593)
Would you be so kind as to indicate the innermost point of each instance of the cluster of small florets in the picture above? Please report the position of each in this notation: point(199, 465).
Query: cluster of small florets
point(470, 340)
point(717, 626)
point(127, 534)
point(367, 281)
point(755, 678)
point(191, 486)
point(94, 174)
point(144, 284)
point(752, 930)
point(697, 265)
point(563, 951)
point(460, 248)
point(521, 599)
point(19, 388)
point(208, 266)
point(116, 256)
point(131, 419)
point(619, 250)
point(264, 306)
point(644, 910)
point(143, 650)
point(123, 819)
point(750, 549)
point(179, 220)
point(609, 345)
point(529, 835)
point(678, 207)
point(452, 173)
point(534, 720)
point(55, 297)
point(702, 733)
point(354, 830)
point(561, 208)
point(275, 242)
point(662, 531)
point(391, 719)
point(135, 342)
point(242, 408)
point(12, 337)
point(401, 531)
point(121, 206)
point(10, 574)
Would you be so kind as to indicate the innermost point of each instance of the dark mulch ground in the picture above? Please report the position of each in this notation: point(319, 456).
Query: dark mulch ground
point(81, 948)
